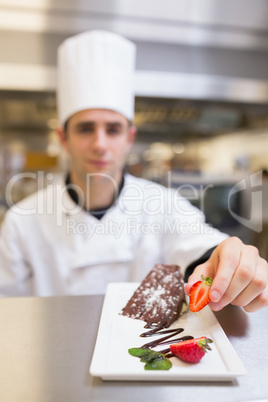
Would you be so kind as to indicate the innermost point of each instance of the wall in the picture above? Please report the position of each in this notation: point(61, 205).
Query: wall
point(186, 48)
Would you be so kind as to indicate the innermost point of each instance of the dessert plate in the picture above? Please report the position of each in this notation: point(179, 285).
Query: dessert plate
point(118, 333)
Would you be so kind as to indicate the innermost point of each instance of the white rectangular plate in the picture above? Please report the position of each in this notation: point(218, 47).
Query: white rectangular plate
point(117, 333)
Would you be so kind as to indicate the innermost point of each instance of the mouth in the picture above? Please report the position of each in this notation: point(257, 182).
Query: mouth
point(98, 163)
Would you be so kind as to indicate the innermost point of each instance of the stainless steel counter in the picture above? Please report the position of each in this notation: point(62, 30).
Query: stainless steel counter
point(46, 345)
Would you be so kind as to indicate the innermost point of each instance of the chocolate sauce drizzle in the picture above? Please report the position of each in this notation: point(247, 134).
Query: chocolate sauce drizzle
point(163, 340)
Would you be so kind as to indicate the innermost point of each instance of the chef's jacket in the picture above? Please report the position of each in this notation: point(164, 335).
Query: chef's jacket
point(51, 246)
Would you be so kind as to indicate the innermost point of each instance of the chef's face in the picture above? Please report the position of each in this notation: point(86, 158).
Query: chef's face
point(98, 141)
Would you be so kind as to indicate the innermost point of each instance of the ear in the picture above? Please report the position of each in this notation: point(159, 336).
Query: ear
point(132, 131)
point(62, 136)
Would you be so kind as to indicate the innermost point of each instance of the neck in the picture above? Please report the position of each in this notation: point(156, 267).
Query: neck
point(98, 191)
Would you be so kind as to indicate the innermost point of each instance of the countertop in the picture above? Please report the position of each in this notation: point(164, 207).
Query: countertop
point(46, 346)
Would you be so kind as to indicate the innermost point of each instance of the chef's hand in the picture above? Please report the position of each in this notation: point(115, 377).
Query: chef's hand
point(240, 276)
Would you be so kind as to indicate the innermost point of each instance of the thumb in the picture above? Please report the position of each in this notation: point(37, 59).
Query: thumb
point(196, 276)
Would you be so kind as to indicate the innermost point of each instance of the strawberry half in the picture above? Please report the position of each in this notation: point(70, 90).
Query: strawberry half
point(199, 294)
point(191, 351)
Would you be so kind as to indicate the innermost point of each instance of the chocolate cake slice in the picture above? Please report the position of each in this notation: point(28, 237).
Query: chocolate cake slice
point(159, 299)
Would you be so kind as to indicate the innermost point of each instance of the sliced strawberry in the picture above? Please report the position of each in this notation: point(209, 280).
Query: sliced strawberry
point(199, 294)
point(191, 351)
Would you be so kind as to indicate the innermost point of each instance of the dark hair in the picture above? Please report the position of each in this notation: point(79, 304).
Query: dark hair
point(65, 125)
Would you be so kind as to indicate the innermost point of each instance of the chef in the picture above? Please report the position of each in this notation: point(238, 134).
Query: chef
point(100, 224)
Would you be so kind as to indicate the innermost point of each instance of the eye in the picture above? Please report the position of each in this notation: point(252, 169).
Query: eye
point(114, 130)
point(85, 129)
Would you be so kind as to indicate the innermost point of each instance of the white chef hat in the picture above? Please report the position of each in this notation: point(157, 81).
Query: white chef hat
point(96, 70)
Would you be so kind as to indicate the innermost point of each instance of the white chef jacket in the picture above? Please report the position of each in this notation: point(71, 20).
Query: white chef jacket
point(51, 246)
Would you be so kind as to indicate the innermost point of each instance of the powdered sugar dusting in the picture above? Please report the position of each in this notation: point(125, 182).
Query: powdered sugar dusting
point(159, 298)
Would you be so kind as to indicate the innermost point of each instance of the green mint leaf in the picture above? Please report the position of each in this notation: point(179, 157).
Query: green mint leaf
point(152, 356)
point(158, 364)
point(154, 360)
point(146, 355)
point(140, 352)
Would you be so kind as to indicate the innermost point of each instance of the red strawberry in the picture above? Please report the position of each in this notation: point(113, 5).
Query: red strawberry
point(191, 351)
point(199, 294)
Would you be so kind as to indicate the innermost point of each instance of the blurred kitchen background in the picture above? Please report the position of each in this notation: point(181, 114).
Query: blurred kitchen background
point(201, 93)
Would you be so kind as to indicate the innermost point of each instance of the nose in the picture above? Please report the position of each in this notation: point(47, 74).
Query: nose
point(99, 141)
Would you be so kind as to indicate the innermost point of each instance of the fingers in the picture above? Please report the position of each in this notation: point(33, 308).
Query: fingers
point(247, 281)
point(255, 295)
point(240, 276)
point(225, 263)
point(255, 286)
point(259, 302)
point(220, 267)
point(201, 269)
